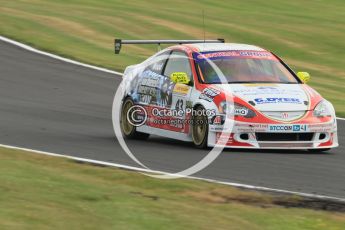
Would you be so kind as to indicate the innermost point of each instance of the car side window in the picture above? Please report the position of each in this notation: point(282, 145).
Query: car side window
point(178, 62)
point(157, 63)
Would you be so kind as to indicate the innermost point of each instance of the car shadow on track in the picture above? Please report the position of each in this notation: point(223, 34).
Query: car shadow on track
point(171, 143)
point(164, 142)
point(276, 151)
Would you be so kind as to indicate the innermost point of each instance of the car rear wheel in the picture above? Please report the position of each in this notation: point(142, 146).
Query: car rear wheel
point(200, 128)
point(129, 130)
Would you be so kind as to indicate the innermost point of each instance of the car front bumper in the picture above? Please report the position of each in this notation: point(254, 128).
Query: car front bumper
point(275, 136)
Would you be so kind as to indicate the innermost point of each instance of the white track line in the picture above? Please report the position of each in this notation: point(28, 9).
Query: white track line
point(29, 48)
point(103, 163)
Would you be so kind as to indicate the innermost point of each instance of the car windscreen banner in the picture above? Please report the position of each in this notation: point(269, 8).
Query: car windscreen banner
point(237, 54)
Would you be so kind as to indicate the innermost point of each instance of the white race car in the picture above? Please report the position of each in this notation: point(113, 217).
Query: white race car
point(177, 93)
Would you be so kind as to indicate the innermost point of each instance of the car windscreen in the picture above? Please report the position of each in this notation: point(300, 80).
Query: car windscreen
point(242, 67)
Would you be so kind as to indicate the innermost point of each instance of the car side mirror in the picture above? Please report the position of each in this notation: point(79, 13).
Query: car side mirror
point(304, 76)
point(180, 77)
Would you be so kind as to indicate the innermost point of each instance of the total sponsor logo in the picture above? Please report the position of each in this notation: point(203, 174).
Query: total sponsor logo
point(273, 100)
point(287, 128)
point(208, 94)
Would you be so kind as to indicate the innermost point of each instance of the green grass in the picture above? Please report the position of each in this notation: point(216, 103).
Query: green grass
point(40, 192)
point(309, 35)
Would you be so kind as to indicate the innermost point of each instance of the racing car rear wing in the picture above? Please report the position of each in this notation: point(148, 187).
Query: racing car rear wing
point(119, 42)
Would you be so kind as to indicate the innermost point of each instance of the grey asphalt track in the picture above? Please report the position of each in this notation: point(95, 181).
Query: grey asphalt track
point(50, 105)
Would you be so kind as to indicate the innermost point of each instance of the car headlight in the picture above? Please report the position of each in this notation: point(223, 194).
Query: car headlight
point(236, 110)
point(323, 109)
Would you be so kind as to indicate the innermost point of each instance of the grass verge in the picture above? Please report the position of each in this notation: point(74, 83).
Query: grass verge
point(309, 35)
point(40, 192)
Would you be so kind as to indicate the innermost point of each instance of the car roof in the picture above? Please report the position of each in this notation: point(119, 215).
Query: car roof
point(205, 47)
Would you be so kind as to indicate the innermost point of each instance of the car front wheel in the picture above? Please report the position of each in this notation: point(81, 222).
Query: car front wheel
point(200, 128)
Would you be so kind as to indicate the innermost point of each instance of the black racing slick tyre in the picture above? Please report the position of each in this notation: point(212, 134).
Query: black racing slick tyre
point(128, 130)
point(200, 128)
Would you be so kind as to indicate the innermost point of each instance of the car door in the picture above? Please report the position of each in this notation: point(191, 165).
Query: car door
point(178, 62)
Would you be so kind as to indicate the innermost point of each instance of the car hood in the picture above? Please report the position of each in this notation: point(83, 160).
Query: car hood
point(273, 97)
